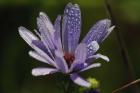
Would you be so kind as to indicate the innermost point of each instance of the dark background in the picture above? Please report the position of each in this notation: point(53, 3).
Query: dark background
point(16, 65)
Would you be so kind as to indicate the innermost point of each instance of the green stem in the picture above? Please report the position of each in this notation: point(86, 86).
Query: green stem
point(68, 86)
point(64, 83)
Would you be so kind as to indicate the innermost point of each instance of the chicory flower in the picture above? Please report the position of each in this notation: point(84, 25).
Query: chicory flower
point(58, 45)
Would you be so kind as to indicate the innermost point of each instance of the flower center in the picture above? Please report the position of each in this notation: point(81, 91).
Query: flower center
point(69, 58)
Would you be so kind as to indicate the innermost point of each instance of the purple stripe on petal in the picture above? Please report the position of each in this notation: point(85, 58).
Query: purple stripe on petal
point(41, 45)
point(60, 61)
point(98, 32)
point(43, 71)
point(79, 81)
point(71, 27)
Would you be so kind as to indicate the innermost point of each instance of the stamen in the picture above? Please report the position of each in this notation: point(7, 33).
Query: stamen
point(69, 58)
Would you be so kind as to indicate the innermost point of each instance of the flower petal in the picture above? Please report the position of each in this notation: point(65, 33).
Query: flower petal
point(60, 61)
point(40, 44)
point(39, 50)
point(77, 67)
point(37, 33)
point(57, 36)
point(44, 48)
point(27, 35)
point(79, 81)
point(37, 56)
point(71, 27)
point(99, 56)
point(98, 32)
point(109, 31)
point(80, 56)
point(92, 48)
point(46, 30)
point(91, 66)
point(43, 71)
point(81, 53)
point(47, 22)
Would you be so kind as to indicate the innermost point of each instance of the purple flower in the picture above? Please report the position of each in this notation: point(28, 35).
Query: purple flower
point(58, 45)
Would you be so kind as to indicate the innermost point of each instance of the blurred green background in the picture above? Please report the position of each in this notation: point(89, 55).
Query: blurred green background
point(16, 65)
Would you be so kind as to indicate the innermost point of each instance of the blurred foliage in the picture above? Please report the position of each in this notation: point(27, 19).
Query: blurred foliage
point(15, 64)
